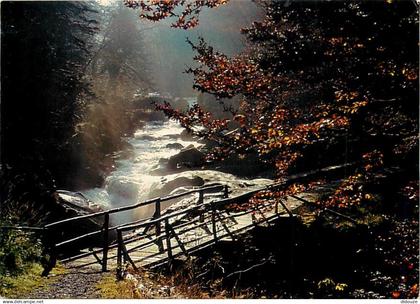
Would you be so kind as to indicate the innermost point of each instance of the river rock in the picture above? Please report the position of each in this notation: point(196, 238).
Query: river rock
point(174, 146)
point(185, 135)
point(125, 189)
point(145, 137)
point(174, 181)
point(163, 160)
point(71, 204)
point(188, 157)
point(249, 166)
point(148, 115)
point(161, 168)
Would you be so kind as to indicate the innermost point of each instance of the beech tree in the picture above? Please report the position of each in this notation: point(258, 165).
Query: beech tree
point(323, 83)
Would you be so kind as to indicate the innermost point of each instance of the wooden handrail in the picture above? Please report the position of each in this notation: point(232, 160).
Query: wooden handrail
point(226, 201)
point(100, 213)
point(78, 238)
point(106, 213)
point(129, 207)
point(158, 219)
point(112, 228)
point(170, 197)
point(186, 210)
point(162, 218)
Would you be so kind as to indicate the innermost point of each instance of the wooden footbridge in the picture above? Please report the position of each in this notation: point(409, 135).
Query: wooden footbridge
point(211, 216)
point(164, 236)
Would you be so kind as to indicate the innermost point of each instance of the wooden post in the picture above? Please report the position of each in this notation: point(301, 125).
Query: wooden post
point(181, 245)
point(286, 208)
point(49, 240)
point(127, 257)
point(119, 255)
point(213, 223)
point(226, 191)
point(168, 240)
point(105, 244)
point(201, 201)
point(158, 227)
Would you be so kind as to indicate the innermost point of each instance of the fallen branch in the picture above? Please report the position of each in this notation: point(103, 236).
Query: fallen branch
point(248, 269)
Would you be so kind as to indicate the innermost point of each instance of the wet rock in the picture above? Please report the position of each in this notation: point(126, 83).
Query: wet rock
point(247, 167)
point(70, 204)
point(147, 115)
point(123, 188)
point(160, 168)
point(145, 137)
point(185, 135)
point(174, 146)
point(189, 157)
point(172, 182)
point(180, 104)
point(163, 160)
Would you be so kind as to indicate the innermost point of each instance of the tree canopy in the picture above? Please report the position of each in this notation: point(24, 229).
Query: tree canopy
point(322, 83)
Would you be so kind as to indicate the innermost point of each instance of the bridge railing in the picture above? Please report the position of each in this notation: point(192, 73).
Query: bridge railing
point(107, 229)
point(50, 230)
point(209, 209)
point(206, 214)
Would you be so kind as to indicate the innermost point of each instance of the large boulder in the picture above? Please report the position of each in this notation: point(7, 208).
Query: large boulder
point(174, 146)
point(75, 203)
point(122, 189)
point(171, 182)
point(71, 204)
point(248, 167)
point(186, 135)
point(148, 115)
point(189, 157)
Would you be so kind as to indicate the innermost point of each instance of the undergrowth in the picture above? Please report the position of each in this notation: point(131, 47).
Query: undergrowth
point(110, 288)
point(18, 251)
point(20, 285)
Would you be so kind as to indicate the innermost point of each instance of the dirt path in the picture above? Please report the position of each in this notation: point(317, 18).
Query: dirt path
point(73, 284)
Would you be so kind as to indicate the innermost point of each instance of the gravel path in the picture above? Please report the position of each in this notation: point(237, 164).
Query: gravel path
point(74, 284)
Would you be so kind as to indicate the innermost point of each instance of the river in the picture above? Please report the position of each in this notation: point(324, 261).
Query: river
point(132, 180)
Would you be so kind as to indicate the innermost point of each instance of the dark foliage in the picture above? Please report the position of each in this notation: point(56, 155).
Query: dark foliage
point(44, 56)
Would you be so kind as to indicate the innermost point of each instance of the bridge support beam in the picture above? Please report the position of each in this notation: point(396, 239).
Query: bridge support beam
point(226, 191)
point(213, 223)
point(168, 241)
point(119, 256)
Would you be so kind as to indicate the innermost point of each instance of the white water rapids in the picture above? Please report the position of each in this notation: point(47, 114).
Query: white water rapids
point(131, 181)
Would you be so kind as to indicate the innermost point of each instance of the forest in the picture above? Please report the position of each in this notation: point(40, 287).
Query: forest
point(216, 149)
